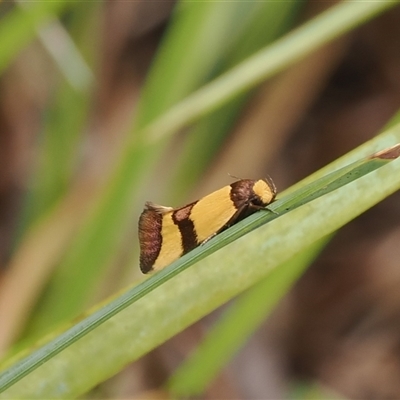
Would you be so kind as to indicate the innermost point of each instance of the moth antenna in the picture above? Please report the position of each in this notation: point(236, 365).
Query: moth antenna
point(235, 177)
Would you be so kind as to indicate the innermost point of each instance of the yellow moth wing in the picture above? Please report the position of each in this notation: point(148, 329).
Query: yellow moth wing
point(212, 212)
point(171, 248)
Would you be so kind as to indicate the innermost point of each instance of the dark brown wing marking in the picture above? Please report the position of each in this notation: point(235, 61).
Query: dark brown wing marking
point(150, 238)
point(181, 218)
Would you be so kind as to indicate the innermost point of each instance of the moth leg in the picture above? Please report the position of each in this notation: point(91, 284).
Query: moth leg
point(258, 208)
point(273, 212)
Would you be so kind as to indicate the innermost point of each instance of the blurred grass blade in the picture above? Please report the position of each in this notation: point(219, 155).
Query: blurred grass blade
point(51, 178)
point(64, 122)
point(19, 26)
point(268, 21)
point(242, 29)
point(58, 154)
point(267, 62)
point(229, 277)
point(58, 43)
point(181, 57)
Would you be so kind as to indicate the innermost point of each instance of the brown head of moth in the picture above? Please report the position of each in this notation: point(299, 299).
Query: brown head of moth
point(167, 233)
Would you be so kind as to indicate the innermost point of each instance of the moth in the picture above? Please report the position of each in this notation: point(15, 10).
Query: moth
point(167, 233)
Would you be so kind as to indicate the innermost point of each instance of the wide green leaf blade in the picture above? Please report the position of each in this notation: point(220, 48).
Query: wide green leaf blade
point(181, 301)
point(231, 331)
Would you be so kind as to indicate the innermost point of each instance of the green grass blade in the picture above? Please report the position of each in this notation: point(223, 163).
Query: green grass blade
point(236, 325)
point(152, 320)
point(18, 27)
